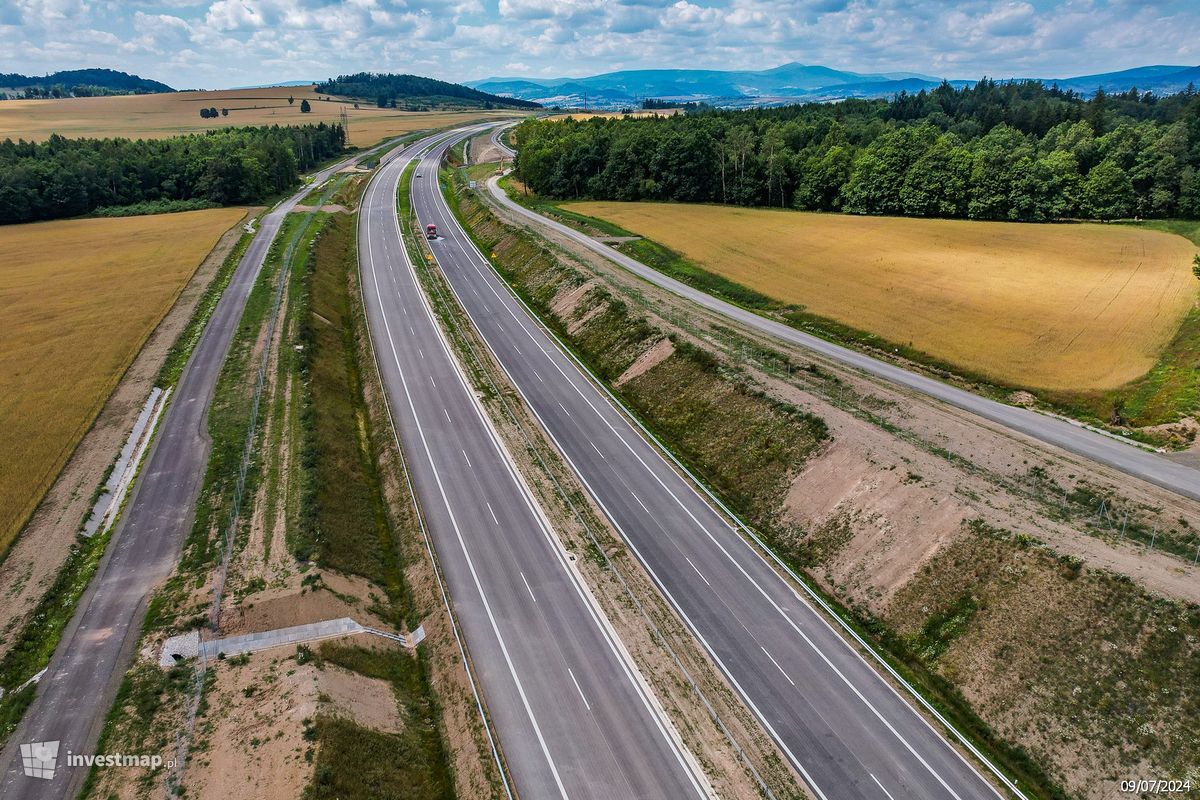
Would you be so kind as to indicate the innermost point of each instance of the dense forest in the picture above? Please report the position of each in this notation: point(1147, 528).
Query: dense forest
point(1001, 151)
point(412, 92)
point(68, 177)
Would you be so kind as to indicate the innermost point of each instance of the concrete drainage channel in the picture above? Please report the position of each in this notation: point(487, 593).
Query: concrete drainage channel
point(188, 645)
point(104, 513)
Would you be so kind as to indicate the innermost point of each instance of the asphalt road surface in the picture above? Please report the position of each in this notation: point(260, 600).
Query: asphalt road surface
point(842, 726)
point(1056, 431)
point(96, 649)
point(572, 715)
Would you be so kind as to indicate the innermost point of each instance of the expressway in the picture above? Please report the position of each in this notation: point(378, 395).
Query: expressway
point(573, 716)
point(97, 646)
point(842, 726)
point(1072, 437)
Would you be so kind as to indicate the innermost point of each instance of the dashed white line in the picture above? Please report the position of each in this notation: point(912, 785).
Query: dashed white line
point(581, 695)
point(539, 377)
point(597, 449)
point(534, 598)
point(776, 663)
point(447, 413)
point(564, 408)
point(468, 460)
point(881, 786)
point(640, 503)
point(490, 511)
point(698, 572)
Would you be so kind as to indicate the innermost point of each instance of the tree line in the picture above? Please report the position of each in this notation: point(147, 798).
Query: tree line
point(63, 177)
point(998, 151)
point(388, 88)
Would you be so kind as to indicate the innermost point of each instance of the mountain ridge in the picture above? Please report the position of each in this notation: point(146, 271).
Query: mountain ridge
point(790, 82)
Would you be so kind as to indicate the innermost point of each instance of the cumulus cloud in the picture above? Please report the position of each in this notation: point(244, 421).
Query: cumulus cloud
point(224, 42)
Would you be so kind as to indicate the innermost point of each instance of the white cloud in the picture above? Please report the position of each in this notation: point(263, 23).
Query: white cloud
point(250, 41)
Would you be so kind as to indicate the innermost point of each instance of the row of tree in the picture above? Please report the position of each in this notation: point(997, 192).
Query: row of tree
point(1014, 151)
point(69, 177)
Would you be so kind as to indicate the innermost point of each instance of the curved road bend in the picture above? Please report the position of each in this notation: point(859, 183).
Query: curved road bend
point(842, 726)
point(1074, 438)
point(87, 667)
point(572, 714)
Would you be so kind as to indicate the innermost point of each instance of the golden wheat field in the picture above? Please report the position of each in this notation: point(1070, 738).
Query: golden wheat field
point(78, 298)
point(1044, 306)
point(157, 116)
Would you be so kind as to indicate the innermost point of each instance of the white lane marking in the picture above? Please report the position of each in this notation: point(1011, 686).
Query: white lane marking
point(581, 695)
point(464, 452)
point(450, 512)
point(564, 408)
point(776, 663)
point(701, 574)
point(597, 449)
point(539, 377)
point(492, 512)
point(640, 503)
point(447, 413)
point(527, 587)
point(881, 786)
point(431, 380)
point(422, 352)
point(413, 332)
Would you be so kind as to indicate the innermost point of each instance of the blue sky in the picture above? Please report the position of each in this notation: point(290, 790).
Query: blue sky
point(221, 43)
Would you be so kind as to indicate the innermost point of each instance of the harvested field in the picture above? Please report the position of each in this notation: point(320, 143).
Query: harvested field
point(158, 116)
point(78, 298)
point(1062, 307)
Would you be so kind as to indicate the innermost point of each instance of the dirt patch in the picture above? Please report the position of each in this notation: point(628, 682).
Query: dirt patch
point(253, 742)
point(483, 151)
point(361, 698)
point(41, 549)
point(299, 604)
point(647, 361)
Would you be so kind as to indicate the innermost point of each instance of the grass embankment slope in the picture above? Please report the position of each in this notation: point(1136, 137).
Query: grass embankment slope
point(158, 116)
point(1059, 307)
point(77, 300)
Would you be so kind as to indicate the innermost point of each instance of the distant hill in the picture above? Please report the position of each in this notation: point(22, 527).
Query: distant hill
point(409, 91)
point(1160, 79)
point(786, 84)
point(107, 79)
